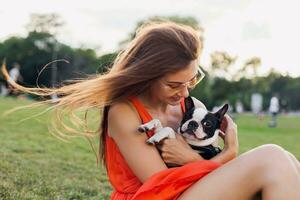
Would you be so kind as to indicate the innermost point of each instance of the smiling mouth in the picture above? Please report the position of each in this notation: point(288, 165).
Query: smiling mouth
point(191, 133)
point(176, 98)
point(204, 138)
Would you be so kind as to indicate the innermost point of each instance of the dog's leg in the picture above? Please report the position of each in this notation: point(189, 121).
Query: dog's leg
point(153, 124)
point(165, 132)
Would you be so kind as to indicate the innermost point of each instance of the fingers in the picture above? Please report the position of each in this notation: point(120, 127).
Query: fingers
point(179, 137)
point(174, 143)
point(230, 139)
point(165, 144)
point(165, 141)
point(168, 141)
point(222, 134)
point(230, 122)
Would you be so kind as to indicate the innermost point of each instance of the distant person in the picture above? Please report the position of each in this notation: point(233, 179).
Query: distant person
point(274, 109)
point(3, 85)
point(14, 74)
point(256, 103)
point(3, 88)
point(239, 107)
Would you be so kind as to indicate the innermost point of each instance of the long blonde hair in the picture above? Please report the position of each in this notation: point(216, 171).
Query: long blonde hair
point(157, 49)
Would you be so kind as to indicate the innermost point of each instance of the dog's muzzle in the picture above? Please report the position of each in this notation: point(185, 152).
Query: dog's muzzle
point(192, 127)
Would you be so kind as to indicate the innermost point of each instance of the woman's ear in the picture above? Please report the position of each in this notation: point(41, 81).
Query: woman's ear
point(189, 103)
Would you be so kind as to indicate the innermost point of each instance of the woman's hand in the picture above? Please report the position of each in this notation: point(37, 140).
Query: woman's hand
point(177, 151)
point(229, 135)
point(230, 138)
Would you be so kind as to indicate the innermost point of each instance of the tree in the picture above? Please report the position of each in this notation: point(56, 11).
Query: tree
point(106, 61)
point(36, 50)
point(220, 64)
point(190, 21)
point(250, 67)
point(45, 23)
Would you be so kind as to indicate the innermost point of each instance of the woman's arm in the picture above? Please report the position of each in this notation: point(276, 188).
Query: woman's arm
point(143, 159)
point(231, 146)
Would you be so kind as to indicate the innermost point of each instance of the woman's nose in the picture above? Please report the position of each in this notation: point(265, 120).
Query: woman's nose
point(184, 92)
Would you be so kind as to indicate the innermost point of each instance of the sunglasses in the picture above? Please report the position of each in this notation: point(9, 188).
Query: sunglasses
point(191, 84)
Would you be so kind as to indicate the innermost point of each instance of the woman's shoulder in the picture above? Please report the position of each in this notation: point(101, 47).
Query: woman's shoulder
point(122, 106)
point(122, 115)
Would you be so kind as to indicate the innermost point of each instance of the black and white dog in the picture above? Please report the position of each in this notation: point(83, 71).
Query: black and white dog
point(199, 127)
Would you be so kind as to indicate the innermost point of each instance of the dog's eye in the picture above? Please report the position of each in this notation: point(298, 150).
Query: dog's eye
point(207, 124)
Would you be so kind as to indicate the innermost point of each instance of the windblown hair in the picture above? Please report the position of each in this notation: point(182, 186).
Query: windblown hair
point(157, 49)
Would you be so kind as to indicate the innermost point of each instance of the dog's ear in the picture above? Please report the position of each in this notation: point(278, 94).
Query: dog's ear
point(189, 103)
point(220, 113)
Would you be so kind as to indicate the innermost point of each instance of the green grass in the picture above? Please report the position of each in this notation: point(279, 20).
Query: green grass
point(36, 165)
point(254, 132)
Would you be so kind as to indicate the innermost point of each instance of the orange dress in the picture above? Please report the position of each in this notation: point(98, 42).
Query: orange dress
point(164, 185)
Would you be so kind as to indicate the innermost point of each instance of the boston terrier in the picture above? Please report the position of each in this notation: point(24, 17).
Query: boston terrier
point(199, 127)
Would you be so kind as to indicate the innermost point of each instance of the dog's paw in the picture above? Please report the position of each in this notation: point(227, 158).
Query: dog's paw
point(151, 141)
point(143, 129)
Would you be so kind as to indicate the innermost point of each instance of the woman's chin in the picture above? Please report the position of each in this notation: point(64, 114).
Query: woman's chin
point(174, 101)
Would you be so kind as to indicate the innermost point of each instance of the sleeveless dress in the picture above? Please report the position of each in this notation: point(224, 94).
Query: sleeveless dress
point(164, 185)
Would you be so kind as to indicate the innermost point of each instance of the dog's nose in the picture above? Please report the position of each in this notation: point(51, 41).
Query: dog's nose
point(193, 125)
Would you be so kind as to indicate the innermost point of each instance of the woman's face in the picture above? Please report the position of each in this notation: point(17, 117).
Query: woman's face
point(174, 86)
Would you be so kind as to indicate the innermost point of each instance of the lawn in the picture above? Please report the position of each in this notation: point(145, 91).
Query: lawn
point(36, 165)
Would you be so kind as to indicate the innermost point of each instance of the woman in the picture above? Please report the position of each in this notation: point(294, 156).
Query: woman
point(149, 80)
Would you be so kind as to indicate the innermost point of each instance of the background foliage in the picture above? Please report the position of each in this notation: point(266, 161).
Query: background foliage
point(223, 83)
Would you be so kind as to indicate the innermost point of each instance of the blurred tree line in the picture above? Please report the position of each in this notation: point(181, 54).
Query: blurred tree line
point(222, 83)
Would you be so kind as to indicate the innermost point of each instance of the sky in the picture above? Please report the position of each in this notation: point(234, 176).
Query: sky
point(243, 28)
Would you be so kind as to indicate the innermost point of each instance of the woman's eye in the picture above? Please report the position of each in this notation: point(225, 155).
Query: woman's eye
point(174, 86)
